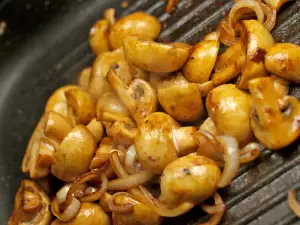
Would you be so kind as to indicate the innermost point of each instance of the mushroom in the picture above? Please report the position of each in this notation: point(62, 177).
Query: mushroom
point(46, 138)
point(201, 61)
point(109, 14)
point(116, 119)
point(82, 104)
point(74, 155)
point(98, 84)
point(194, 177)
point(155, 57)
point(273, 127)
point(138, 24)
point(179, 98)
point(139, 97)
point(140, 213)
point(230, 108)
point(258, 40)
point(58, 101)
point(156, 141)
point(89, 214)
point(31, 206)
point(96, 128)
point(281, 88)
point(282, 59)
point(102, 153)
point(98, 37)
point(84, 78)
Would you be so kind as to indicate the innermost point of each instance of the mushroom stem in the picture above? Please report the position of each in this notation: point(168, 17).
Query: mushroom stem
point(184, 141)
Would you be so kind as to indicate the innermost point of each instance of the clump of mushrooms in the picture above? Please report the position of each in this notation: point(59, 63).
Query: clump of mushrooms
point(31, 205)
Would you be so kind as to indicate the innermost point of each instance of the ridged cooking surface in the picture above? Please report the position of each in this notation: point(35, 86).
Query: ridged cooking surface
point(57, 51)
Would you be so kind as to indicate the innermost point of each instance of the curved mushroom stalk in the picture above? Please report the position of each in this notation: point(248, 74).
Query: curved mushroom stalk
point(138, 213)
point(201, 61)
point(181, 100)
point(184, 141)
point(58, 100)
point(139, 97)
point(153, 56)
point(45, 140)
point(102, 153)
point(138, 24)
point(82, 104)
point(209, 126)
point(84, 78)
point(110, 15)
point(74, 155)
point(282, 59)
point(210, 146)
point(122, 131)
point(31, 205)
point(96, 128)
point(230, 110)
point(188, 176)
point(109, 107)
point(89, 214)
point(98, 36)
point(98, 84)
point(258, 40)
point(271, 127)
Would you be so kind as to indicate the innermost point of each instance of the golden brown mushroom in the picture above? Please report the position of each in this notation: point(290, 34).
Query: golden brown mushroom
point(138, 24)
point(201, 61)
point(230, 108)
point(96, 128)
point(116, 119)
point(283, 60)
point(140, 214)
point(58, 101)
point(258, 40)
point(156, 141)
point(98, 37)
point(272, 127)
point(84, 78)
point(181, 99)
point(82, 104)
point(98, 84)
point(155, 57)
point(31, 206)
point(89, 214)
point(74, 155)
point(46, 138)
point(189, 176)
point(139, 97)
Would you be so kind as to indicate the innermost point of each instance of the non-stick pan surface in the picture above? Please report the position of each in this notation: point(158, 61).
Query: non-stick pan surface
point(45, 46)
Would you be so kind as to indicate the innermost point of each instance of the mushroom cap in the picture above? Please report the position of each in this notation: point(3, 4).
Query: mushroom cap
point(283, 60)
point(58, 101)
point(154, 142)
point(31, 206)
point(138, 24)
point(153, 56)
point(201, 61)
point(74, 155)
point(230, 110)
point(183, 103)
point(191, 178)
point(98, 37)
point(142, 214)
point(89, 214)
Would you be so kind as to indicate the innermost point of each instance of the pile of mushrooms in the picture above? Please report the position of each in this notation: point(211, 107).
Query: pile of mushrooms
point(184, 117)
